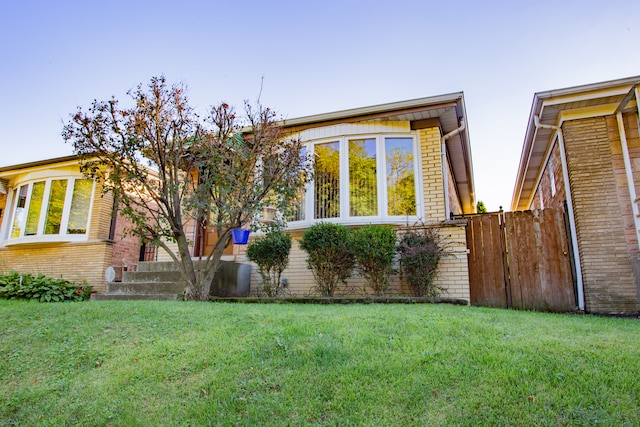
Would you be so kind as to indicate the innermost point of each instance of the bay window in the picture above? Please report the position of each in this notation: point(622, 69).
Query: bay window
point(51, 209)
point(361, 179)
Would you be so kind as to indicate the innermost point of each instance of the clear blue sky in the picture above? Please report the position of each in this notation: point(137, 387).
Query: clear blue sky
point(315, 57)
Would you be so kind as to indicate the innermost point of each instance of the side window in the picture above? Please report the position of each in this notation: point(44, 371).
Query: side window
point(51, 207)
point(401, 185)
point(327, 180)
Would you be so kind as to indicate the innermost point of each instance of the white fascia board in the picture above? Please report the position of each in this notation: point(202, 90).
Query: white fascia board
point(374, 109)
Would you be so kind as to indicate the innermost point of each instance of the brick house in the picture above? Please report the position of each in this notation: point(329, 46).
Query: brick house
point(55, 221)
point(427, 140)
point(582, 151)
point(414, 162)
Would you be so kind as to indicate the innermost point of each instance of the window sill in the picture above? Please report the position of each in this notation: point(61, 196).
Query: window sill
point(39, 240)
point(400, 221)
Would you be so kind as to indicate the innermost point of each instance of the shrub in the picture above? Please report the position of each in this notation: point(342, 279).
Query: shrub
point(374, 248)
point(40, 288)
point(329, 255)
point(420, 253)
point(271, 253)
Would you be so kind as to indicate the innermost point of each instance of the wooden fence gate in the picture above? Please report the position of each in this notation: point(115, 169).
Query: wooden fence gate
point(521, 260)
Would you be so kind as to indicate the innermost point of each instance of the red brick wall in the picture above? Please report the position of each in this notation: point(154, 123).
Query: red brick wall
point(126, 248)
point(549, 198)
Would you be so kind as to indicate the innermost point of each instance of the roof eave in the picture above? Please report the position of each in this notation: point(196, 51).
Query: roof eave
point(558, 96)
point(373, 109)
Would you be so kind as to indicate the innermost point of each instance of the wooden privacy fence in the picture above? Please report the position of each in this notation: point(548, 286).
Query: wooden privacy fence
point(521, 260)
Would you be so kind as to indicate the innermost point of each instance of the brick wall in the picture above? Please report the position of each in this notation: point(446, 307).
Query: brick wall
point(453, 272)
point(622, 189)
point(432, 182)
point(126, 248)
point(553, 167)
point(606, 266)
point(77, 262)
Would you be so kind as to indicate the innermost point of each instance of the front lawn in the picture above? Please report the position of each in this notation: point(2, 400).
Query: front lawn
point(176, 363)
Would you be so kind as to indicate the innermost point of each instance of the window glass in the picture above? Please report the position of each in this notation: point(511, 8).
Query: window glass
point(296, 211)
point(19, 215)
point(401, 193)
point(80, 202)
point(55, 206)
point(327, 180)
point(363, 186)
point(35, 207)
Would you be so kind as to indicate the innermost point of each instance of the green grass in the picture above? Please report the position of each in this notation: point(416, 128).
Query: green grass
point(173, 363)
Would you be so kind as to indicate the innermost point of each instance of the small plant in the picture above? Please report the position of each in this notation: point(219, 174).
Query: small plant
point(40, 288)
point(330, 257)
point(374, 248)
point(420, 253)
point(271, 253)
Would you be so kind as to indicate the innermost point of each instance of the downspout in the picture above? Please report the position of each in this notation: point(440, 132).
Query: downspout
point(572, 219)
point(629, 173)
point(445, 166)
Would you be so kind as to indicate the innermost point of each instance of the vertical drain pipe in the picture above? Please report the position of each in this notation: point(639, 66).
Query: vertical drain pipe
point(629, 173)
point(572, 219)
point(445, 166)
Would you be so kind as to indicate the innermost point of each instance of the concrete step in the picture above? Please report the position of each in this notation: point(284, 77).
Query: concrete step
point(152, 276)
point(159, 287)
point(167, 265)
point(128, 297)
point(157, 266)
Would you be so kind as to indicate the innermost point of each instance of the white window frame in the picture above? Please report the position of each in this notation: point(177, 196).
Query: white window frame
point(40, 237)
point(381, 179)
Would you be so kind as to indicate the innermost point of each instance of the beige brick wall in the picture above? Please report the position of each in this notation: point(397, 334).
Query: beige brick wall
point(432, 182)
point(100, 222)
point(606, 264)
point(624, 200)
point(453, 272)
point(71, 261)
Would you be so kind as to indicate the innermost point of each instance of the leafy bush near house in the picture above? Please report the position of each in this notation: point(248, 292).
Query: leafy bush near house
point(420, 253)
point(40, 288)
point(271, 253)
point(330, 257)
point(374, 248)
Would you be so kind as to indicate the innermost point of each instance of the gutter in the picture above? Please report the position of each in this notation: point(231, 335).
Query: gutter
point(445, 166)
point(572, 219)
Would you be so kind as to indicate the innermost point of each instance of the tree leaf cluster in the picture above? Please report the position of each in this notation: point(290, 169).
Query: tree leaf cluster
point(169, 169)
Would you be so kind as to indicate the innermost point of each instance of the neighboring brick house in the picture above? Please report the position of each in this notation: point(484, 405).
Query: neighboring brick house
point(582, 147)
point(55, 221)
point(410, 178)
